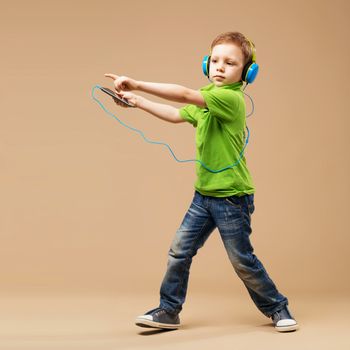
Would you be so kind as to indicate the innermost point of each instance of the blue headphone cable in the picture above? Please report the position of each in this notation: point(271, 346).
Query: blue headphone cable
point(165, 144)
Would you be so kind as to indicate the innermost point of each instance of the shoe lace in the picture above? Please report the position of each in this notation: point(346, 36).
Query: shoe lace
point(278, 314)
point(160, 311)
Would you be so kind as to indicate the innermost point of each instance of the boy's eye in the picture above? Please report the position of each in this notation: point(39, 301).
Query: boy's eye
point(229, 62)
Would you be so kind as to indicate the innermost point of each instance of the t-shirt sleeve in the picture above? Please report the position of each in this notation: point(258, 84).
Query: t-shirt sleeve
point(222, 104)
point(189, 113)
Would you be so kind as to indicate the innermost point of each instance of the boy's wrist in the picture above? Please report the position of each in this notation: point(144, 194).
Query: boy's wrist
point(138, 85)
point(139, 101)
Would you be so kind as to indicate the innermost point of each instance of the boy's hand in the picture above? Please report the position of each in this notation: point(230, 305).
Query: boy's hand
point(129, 96)
point(122, 83)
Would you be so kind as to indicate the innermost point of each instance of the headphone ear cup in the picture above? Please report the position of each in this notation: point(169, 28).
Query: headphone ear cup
point(206, 65)
point(250, 71)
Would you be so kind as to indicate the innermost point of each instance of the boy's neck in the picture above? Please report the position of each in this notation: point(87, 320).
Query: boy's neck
point(237, 83)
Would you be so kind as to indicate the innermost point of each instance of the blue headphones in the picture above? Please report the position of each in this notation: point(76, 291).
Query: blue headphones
point(249, 72)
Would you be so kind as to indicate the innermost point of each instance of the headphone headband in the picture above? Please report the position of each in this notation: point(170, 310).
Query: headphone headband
point(252, 47)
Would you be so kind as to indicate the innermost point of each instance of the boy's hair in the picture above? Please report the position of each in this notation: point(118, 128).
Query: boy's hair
point(236, 38)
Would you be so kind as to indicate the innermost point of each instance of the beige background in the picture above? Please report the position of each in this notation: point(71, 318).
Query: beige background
point(88, 209)
point(87, 205)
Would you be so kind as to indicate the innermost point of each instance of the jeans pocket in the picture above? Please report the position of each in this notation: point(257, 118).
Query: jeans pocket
point(234, 201)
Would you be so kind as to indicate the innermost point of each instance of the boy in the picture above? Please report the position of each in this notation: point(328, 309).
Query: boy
point(224, 199)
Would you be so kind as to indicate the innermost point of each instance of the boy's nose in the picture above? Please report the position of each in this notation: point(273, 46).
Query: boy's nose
point(220, 67)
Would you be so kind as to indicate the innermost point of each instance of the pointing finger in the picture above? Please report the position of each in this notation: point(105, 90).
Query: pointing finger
point(110, 75)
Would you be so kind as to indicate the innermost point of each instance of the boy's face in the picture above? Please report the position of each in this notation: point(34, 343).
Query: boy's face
point(226, 64)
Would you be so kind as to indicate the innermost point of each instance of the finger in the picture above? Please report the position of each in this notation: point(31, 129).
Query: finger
point(118, 102)
point(118, 86)
point(121, 92)
point(121, 104)
point(112, 76)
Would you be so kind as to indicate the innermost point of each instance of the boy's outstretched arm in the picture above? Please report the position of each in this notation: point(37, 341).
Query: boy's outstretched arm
point(172, 92)
point(161, 111)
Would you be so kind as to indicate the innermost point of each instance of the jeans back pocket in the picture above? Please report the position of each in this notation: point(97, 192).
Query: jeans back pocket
point(251, 205)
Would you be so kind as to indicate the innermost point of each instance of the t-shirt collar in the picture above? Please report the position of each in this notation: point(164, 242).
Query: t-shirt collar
point(234, 86)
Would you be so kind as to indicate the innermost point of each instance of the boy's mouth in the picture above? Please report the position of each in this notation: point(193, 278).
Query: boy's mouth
point(218, 76)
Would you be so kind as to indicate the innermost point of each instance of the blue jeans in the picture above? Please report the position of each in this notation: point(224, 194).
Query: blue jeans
point(232, 216)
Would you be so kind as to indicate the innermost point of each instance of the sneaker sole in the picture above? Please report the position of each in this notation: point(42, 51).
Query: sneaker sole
point(287, 328)
point(151, 324)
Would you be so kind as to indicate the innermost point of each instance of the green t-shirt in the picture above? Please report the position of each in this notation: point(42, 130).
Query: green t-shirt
point(220, 138)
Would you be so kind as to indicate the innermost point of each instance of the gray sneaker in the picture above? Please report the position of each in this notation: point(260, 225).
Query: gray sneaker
point(158, 318)
point(283, 321)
